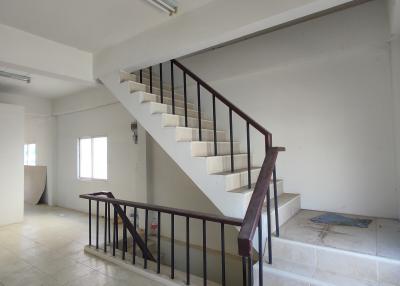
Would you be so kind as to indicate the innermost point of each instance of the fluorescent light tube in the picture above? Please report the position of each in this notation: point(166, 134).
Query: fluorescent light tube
point(164, 6)
point(15, 76)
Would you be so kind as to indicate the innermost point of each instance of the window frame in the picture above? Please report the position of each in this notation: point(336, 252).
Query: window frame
point(90, 179)
point(27, 154)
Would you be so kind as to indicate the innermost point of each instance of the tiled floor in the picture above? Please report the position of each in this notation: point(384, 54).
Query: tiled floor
point(381, 238)
point(47, 249)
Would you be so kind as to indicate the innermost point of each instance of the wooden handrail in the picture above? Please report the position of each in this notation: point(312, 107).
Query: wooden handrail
point(254, 210)
point(179, 212)
point(237, 110)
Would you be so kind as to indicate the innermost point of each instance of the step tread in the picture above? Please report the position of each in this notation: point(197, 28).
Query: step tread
point(283, 199)
point(236, 171)
point(164, 96)
point(205, 129)
point(245, 189)
point(182, 116)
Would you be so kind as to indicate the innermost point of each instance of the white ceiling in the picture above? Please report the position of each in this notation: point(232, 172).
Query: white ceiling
point(40, 86)
point(89, 25)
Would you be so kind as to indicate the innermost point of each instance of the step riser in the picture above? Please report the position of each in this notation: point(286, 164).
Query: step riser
point(188, 134)
point(165, 93)
point(124, 76)
point(156, 83)
point(164, 108)
point(236, 181)
point(169, 120)
point(202, 149)
point(149, 97)
point(343, 263)
point(279, 185)
point(223, 163)
point(137, 86)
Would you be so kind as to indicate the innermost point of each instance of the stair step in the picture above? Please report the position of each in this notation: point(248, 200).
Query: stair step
point(218, 164)
point(206, 148)
point(332, 265)
point(150, 97)
point(247, 193)
point(156, 82)
point(238, 179)
point(283, 272)
point(137, 86)
point(192, 134)
point(156, 107)
point(173, 120)
point(125, 76)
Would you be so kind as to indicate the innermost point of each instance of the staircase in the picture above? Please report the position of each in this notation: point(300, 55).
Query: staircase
point(228, 189)
point(222, 168)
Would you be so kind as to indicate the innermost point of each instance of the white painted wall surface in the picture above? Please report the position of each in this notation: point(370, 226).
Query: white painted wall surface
point(11, 164)
point(212, 24)
point(126, 161)
point(40, 130)
point(20, 49)
point(323, 88)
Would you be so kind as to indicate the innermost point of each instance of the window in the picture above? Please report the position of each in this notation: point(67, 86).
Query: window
point(92, 158)
point(30, 154)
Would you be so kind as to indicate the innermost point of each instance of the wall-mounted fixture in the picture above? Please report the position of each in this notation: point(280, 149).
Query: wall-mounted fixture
point(134, 128)
point(168, 6)
point(15, 76)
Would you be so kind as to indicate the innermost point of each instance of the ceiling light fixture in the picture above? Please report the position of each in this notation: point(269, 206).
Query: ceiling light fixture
point(15, 76)
point(168, 6)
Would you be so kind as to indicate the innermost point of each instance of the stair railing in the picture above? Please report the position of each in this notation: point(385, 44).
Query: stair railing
point(248, 226)
point(109, 200)
point(232, 109)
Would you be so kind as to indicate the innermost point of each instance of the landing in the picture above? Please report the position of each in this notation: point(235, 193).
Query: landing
point(381, 238)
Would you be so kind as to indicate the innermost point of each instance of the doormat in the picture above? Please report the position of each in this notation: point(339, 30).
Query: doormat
point(336, 219)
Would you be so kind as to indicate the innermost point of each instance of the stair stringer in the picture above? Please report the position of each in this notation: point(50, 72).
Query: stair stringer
point(213, 186)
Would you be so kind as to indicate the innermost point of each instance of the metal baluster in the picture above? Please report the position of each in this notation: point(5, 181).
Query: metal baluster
point(159, 242)
point(199, 108)
point(260, 253)
point(133, 239)
point(248, 155)
point(269, 226)
point(231, 139)
point(114, 230)
point(151, 79)
point(105, 227)
point(204, 253)
point(185, 98)
point(215, 126)
point(146, 227)
point(187, 252)
point(124, 239)
point(250, 270)
point(276, 203)
point(97, 224)
point(161, 85)
point(109, 222)
point(244, 271)
point(172, 248)
point(172, 87)
point(223, 253)
point(141, 76)
point(90, 222)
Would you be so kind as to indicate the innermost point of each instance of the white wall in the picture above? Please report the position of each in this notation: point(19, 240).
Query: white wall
point(323, 88)
point(212, 24)
point(35, 54)
point(39, 129)
point(126, 161)
point(11, 164)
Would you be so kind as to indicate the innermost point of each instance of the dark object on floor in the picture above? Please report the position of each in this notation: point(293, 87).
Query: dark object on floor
point(335, 219)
